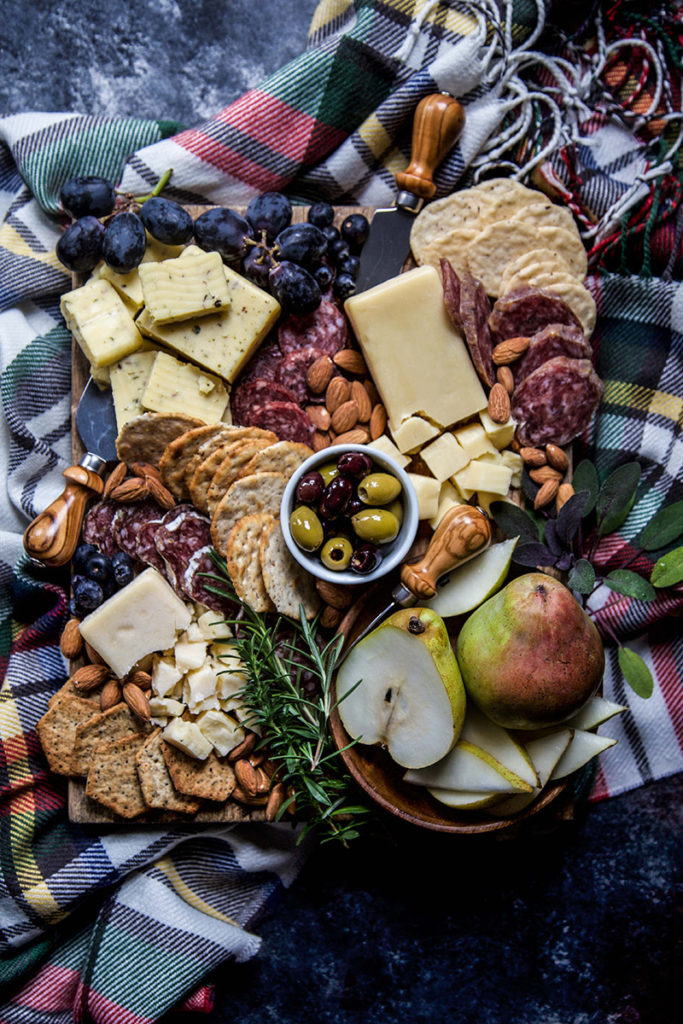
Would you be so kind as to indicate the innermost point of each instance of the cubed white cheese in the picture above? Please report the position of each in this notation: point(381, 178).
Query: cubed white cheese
point(166, 706)
point(444, 457)
point(211, 627)
point(413, 433)
point(473, 439)
point(486, 476)
point(448, 497)
point(202, 683)
point(427, 490)
point(499, 433)
point(189, 655)
point(187, 736)
point(385, 446)
point(165, 676)
point(221, 731)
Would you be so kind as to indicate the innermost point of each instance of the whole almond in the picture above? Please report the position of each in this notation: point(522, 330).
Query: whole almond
point(244, 748)
point(321, 439)
point(351, 361)
point(504, 377)
point(499, 404)
point(71, 641)
point(515, 446)
point(133, 489)
point(546, 493)
point(330, 617)
point(146, 470)
point(359, 435)
point(557, 457)
point(373, 393)
point(333, 594)
point(246, 777)
point(140, 678)
point(378, 421)
point(319, 416)
point(543, 473)
point(319, 374)
point(276, 799)
point(115, 478)
point(362, 399)
point(262, 780)
point(89, 677)
point(252, 800)
point(533, 456)
point(344, 417)
point(136, 700)
point(111, 694)
point(338, 392)
point(509, 350)
point(93, 657)
point(564, 493)
point(161, 494)
point(256, 758)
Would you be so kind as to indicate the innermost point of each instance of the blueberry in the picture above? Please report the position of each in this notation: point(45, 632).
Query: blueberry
point(355, 231)
point(321, 214)
point(98, 567)
point(331, 233)
point(324, 276)
point(88, 593)
point(344, 286)
point(122, 568)
point(350, 266)
point(338, 250)
point(81, 555)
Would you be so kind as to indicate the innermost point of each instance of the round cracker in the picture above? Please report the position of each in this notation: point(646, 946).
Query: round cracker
point(534, 261)
point(571, 291)
point(288, 584)
point(204, 474)
point(260, 492)
point(244, 566)
point(238, 455)
point(566, 244)
point(493, 187)
point(542, 213)
point(236, 434)
point(460, 210)
point(451, 246)
point(283, 457)
point(494, 247)
point(180, 452)
point(144, 438)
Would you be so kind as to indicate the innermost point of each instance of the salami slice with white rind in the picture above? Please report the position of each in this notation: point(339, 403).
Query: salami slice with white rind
point(555, 403)
point(181, 533)
point(553, 340)
point(196, 584)
point(469, 309)
point(324, 329)
point(257, 392)
point(131, 520)
point(523, 311)
point(285, 419)
point(97, 526)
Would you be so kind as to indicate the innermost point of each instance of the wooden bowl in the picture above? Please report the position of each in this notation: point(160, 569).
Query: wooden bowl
point(382, 779)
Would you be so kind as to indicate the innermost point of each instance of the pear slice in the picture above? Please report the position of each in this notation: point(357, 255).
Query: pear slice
point(545, 751)
point(583, 747)
point(497, 741)
point(473, 582)
point(594, 713)
point(461, 800)
point(469, 768)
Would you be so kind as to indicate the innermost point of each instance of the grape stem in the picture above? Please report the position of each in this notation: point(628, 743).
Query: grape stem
point(158, 188)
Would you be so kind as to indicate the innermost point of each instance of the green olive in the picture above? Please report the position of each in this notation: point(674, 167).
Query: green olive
point(376, 524)
point(305, 528)
point(328, 472)
point(336, 553)
point(396, 509)
point(379, 488)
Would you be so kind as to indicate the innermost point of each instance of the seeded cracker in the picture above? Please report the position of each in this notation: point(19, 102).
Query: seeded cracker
point(288, 585)
point(210, 447)
point(144, 439)
point(155, 779)
point(242, 556)
point(283, 457)
point(530, 263)
point(260, 492)
point(180, 452)
point(542, 213)
point(238, 456)
point(57, 730)
point(566, 244)
point(451, 246)
point(212, 779)
point(106, 727)
point(113, 778)
point(69, 690)
point(494, 247)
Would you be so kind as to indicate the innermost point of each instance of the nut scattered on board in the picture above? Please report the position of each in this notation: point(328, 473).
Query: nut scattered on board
point(544, 473)
point(141, 679)
point(378, 421)
point(362, 399)
point(319, 416)
point(510, 350)
point(161, 494)
point(499, 404)
point(319, 374)
point(93, 657)
point(246, 776)
point(276, 798)
point(533, 456)
point(136, 700)
point(321, 439)
point(116, 477)
point(338, 392)
point(359, 435)
point(89, 677)
point(71, 642)
point(330, 617)
point(564, 493)
point(344, 417)
point(146, 470)
point(111, 694)
point(334, 595)
point(136, 488)
point(244, 748)
point(504, 377)
point(351, 361)
point(557, 457)
point(546, 493)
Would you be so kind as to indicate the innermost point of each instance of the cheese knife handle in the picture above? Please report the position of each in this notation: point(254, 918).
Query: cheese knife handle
point(53, 535)
point(438, 122)
point(463, 532)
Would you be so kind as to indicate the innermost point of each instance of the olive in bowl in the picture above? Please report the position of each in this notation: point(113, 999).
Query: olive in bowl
point(349, 514)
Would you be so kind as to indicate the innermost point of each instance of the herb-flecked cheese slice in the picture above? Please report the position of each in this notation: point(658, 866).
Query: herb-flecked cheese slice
point(97, 317)
point(129, 377)
point(127, 285)
point(175, 387)
point(186, 287)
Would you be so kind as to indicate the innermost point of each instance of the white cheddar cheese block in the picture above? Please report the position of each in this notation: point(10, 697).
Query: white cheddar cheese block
point(486, 476)
point(189, 655)
point(417, 358)
point(127, 285)
point(413, 433)
point(185, 287)
point(221, 731)
point(187, 736)
point(500, 434)
point(444, 457)
point(202, 683)
point(179, 387)
point(385, 446)
point(448, 497)
point(140, 618)
point(474, 440)
point(427, 490)
point(459, 482)
point(98, 318)
point(128, 378)
point(102, 376)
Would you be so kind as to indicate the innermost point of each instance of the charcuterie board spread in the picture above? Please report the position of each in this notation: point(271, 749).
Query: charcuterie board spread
point(235, 348)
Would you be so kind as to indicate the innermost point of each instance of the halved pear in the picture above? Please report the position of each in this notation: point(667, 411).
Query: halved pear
point(464, 801)
point(497, 741)
point(594, 713)
point(470, 584)
point(410, 697)
point(583, 747)
point(545, 751)
point(469, 768)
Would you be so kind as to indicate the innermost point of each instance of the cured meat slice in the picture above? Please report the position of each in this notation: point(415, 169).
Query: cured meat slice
point(197, 585)
point(555, 403)
point(263, 363)
point(325, 329)
point(553, 340)
point(523, 311)
point(180, 534)
point(257, 392)
point(131, 520)
point(285, 419)
point(469, 309)
point(97, 526)
point(293, 370)
point(145, 546)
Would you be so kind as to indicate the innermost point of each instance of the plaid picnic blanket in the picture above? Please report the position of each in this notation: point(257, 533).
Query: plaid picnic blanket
point(123, 925)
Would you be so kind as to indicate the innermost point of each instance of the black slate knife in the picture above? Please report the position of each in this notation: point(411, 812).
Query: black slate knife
point(438, 123)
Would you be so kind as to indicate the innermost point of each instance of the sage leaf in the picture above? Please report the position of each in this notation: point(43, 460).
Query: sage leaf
point(623, 581)
point(570, 515)
point(532, 553)
point(636, 673)
point(513, 520)
point(665, 527)
point(585, 478)
point(668, 569)
point(551, 539)
point(582, 577)
point(616, 497)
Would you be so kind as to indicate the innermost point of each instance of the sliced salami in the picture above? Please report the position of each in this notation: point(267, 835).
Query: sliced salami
point(555, 403)
point(523, 311)
point(469, 309)
point(145, 545)
point(263, 363)
point(553, 340)
point(286, 419)
point(247, 395)
point(131, 520)
point(293, 370)
point(325, 329)
point(196, 584)
point(181, 533)
point(97, 526)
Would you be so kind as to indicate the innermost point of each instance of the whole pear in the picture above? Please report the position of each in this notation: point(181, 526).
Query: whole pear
point(530, 656)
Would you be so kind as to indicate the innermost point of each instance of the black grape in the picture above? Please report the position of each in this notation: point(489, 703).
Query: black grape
point(355, 231)
point(124, 242)
point(88, 196)
point(168, 222)
point(321, 214)
point(344, 286)
point(80, 247)
point(224, 231)
point(323, 275)
point(257, 265)
point(271, 212)
point(349, 265)
point(294, 288)
point(304, 244)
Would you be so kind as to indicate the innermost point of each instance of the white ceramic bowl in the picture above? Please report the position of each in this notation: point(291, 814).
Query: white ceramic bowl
point(393, 553)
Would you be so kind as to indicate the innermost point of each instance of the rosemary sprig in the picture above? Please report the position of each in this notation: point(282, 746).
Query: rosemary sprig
point(293, 719)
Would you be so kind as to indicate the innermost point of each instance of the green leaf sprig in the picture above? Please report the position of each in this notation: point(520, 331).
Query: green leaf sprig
point(570, 540)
